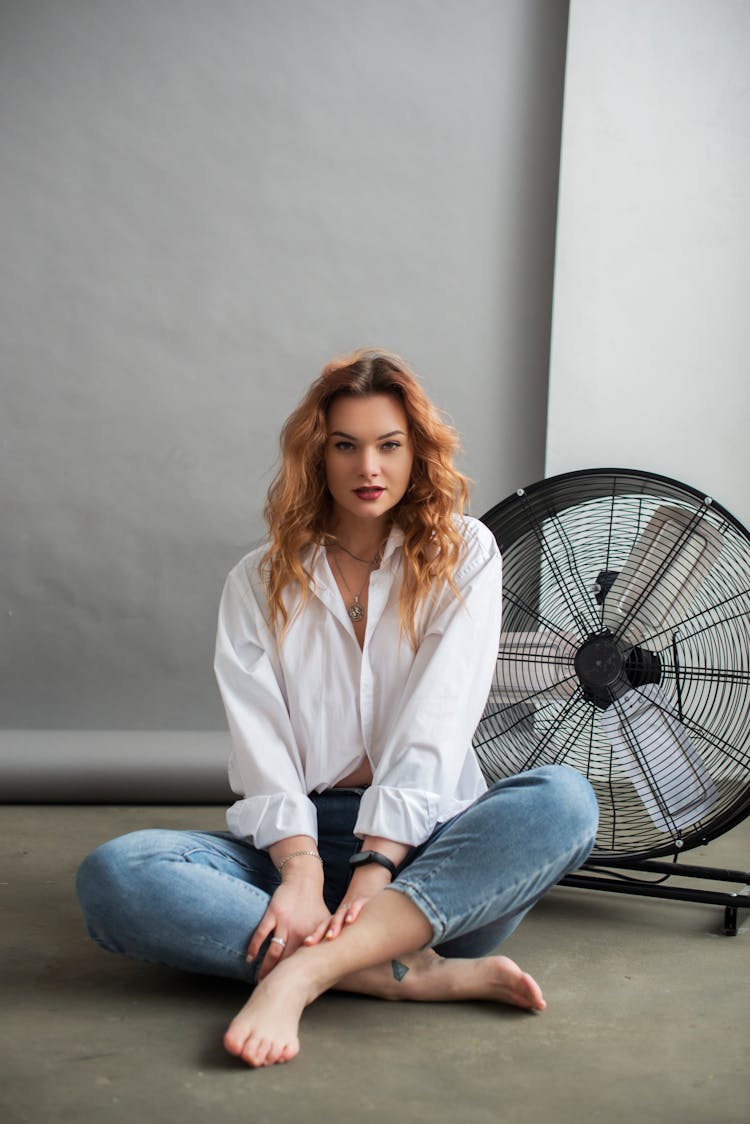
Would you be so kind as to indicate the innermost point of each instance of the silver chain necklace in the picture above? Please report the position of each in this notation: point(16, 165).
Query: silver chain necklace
point(374, 562)
point(355, 611)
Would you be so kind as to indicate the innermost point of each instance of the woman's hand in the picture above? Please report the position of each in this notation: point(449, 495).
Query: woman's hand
point(295, 910)
point(367, 881)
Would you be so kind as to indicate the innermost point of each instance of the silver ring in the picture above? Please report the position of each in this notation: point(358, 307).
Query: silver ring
point(278, 940)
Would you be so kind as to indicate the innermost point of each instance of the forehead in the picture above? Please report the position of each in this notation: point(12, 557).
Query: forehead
point(367, 417)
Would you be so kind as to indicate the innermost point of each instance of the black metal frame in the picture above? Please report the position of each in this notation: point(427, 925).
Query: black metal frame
point(595, 875)
point(508, 520)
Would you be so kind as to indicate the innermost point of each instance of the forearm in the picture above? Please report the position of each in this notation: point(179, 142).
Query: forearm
point(393, 850)
point(366, 882)
point(297, 907)
point(372, 877)
point(297, 855)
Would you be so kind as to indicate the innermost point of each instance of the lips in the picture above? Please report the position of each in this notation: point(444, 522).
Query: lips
point(369, 493)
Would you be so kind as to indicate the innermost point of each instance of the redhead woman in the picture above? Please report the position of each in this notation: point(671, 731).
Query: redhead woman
point(354, 655)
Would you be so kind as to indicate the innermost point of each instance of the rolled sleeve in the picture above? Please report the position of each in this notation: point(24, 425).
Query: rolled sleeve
point(264, 820)
point(404, 815)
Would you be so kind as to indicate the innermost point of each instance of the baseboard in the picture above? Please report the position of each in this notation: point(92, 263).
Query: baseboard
point(114, 767)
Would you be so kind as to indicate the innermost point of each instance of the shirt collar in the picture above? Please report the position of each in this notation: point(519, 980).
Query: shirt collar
point(393, 543)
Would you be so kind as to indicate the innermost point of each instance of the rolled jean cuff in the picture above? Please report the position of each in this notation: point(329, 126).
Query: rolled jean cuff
point(424, 905)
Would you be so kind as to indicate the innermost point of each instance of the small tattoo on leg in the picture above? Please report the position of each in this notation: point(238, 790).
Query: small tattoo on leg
point(399, 970)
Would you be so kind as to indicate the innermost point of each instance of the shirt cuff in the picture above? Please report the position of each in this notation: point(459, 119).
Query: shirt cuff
point(264, 820)
point(405, 815)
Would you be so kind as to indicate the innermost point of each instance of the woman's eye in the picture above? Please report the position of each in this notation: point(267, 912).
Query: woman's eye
point(348, 446)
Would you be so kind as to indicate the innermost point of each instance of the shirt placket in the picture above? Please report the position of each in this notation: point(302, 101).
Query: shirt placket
point(377, 598)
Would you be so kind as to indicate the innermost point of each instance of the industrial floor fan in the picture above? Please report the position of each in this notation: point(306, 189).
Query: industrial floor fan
point(625, 653)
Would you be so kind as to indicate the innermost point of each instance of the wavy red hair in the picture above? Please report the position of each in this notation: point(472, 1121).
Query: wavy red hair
point(299, 506)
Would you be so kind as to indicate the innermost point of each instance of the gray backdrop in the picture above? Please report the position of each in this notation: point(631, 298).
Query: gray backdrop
point(200, 203)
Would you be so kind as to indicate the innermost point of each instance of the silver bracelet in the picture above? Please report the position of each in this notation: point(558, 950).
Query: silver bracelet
point(296, 854)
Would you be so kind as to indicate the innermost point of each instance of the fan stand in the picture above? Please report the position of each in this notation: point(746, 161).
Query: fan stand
point(601, 876)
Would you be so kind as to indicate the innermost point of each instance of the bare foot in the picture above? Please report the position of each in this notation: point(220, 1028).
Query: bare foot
point(427, 977)
point(265, 1030)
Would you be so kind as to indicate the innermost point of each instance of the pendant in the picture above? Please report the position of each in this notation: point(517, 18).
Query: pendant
point(355, 611)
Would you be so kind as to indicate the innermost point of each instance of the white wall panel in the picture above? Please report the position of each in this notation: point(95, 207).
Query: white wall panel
point(650, 343)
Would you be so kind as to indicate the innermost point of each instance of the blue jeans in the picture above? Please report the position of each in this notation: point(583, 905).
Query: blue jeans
point(192, 899)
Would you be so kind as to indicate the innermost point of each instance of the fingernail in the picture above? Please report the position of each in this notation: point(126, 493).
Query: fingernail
point(348, 919)
point(329, 935)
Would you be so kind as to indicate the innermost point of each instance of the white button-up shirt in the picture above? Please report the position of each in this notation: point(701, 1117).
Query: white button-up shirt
point(303, 715)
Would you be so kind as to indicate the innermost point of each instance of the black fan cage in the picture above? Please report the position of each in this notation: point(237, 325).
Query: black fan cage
point(564, 541)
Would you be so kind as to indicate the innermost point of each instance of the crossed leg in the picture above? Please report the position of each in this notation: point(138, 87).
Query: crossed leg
point(539, 825)
point(428, 978)
point(390, 927)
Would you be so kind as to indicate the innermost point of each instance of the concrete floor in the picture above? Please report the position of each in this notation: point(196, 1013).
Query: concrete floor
point(648, 1016)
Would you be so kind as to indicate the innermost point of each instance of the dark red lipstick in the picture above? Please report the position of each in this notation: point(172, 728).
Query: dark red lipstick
point(372, 493)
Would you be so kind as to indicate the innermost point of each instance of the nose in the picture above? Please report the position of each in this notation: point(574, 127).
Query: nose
point(369, 463)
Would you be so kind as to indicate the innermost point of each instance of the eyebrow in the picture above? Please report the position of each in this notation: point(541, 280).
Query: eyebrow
point(383, 436)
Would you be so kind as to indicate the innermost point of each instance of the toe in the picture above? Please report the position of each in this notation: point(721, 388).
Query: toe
point(254, 1051)
point(233, 1042)
point(533, 993)
point(290, 1051)
point(274, 1054)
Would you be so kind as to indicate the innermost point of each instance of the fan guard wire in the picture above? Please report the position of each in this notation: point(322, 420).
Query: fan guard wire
point(561, 541)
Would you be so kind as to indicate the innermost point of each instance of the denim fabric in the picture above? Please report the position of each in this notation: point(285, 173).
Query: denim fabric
point(480, 873)
point(192, 899)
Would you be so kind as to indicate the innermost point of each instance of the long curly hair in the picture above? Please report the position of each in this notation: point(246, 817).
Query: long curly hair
point(299, 506)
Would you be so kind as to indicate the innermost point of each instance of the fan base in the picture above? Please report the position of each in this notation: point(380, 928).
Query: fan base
point(595, 877)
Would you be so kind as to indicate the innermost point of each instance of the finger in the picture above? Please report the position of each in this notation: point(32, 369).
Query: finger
point(266, 926)
point(354, 911)
point(337, 922)
point(277, 946)
point(317, 934)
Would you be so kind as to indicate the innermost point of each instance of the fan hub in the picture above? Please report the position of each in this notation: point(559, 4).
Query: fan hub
point(600, 667)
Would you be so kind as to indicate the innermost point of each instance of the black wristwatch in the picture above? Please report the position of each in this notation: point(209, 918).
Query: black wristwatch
point(363, 858)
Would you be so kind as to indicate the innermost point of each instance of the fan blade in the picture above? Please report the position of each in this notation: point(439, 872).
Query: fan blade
point(655, 751)
point(534, 666)
point(666, 567)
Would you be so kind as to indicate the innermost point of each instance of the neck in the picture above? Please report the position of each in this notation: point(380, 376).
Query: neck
point(362, 539)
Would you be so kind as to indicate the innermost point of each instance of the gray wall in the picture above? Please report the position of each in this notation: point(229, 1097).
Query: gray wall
point(201, 202)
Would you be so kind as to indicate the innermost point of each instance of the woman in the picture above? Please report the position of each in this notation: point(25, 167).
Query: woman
point(354, 654)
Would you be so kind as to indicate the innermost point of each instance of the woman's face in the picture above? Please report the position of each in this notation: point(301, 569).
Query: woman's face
point(368, 455)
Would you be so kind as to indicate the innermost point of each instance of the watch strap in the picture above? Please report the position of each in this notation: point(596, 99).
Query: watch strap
point(364, 858)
